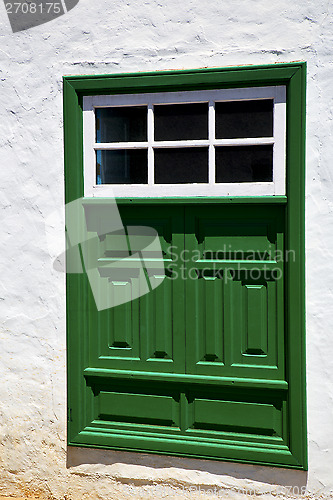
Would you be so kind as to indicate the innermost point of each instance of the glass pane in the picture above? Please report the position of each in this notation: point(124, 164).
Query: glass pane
point(121, 124)
point(240, 119)
point(122, 167)
point(181, 165)
point(176, 122)
point(244, 164)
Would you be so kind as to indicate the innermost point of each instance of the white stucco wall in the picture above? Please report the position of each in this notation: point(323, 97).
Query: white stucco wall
point(141, 35)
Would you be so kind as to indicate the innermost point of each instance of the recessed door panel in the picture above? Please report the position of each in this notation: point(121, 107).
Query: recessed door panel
point(234, 291)
point(145, 331)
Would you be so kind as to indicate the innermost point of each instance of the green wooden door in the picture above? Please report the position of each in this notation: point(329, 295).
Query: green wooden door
point(211, 363)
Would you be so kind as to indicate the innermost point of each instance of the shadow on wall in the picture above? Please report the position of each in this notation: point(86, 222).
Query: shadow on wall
point(159, 469)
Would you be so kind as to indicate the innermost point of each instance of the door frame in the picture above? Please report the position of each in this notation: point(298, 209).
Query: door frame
point(293, 75)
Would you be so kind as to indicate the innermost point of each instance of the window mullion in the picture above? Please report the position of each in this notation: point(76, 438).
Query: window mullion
point(279, 150)
point(150, 131)
point(89, 138)
point(211, 138)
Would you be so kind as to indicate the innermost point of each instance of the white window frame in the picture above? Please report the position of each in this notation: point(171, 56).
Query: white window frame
point(277, 187)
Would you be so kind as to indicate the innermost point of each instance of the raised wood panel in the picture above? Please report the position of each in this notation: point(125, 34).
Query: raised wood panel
point(146, 332)
point(122, 318)
point(237, 416)
point(158, 316)
point(233, 240)
point(115, 332)
point(256, 320)
point(149, 409)
point(256, 324)
point(205, 311)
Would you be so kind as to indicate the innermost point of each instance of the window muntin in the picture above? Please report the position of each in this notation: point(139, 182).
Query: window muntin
point(203, 143)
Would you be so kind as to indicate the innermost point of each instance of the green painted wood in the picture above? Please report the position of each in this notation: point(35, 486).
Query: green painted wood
point(145, 333)
point(240, 417)
point(271, 334)
point(179, 400)
point(73, 140)
point(288, 68)
point(295, 221)
point(187, 447)
point(219, 316)
point(183, 80)
point(257, 327)
point(180, 378)
point(153, 348)
point(137, 408)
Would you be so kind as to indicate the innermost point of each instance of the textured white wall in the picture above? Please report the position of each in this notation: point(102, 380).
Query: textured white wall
point(120, 36)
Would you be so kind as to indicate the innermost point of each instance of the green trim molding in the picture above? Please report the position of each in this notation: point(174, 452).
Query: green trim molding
point(205, 368)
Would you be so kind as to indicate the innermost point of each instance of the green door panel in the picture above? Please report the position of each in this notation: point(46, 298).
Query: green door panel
point(236, 416)
point(234, 291)
point(233, 302)
point(146, 333)
point(205, 357)
point(138, 408)
point(217, 315)
point(160, 417)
